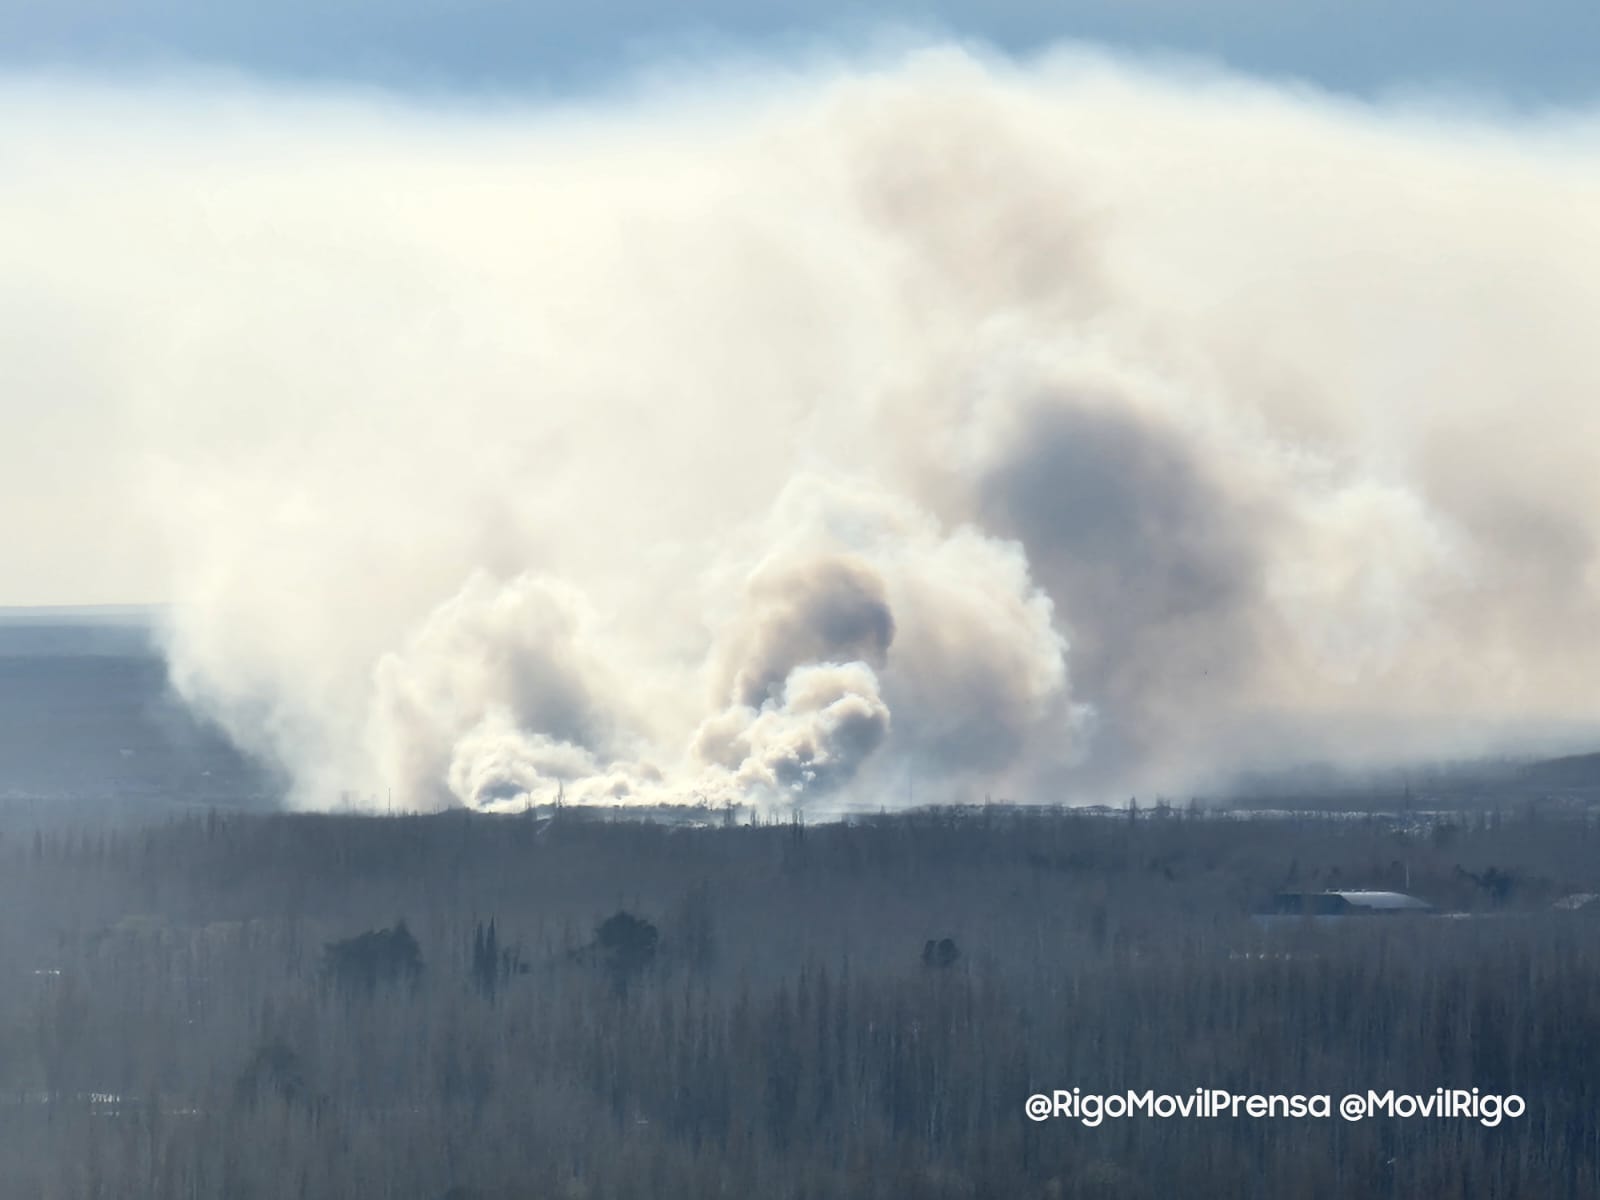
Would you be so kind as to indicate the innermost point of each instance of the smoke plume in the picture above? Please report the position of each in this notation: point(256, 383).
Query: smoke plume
point(828, 434)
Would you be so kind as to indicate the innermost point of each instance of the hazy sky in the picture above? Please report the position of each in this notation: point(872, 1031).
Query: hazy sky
point(1541, 51)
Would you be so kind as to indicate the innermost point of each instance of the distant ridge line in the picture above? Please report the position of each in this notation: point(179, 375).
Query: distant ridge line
point(52, 614)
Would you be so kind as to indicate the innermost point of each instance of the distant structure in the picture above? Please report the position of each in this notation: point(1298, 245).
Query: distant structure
point(1333, 906)
point(942, 953)
point(1578, 901)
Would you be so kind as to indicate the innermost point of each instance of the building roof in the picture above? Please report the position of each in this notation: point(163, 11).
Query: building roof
point(1345, 903)
point(1388, 901)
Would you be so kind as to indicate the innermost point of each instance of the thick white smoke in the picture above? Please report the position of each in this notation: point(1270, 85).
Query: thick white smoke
point(945, 425)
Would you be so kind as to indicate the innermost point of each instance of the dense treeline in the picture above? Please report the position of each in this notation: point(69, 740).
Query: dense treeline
point(474, 1006)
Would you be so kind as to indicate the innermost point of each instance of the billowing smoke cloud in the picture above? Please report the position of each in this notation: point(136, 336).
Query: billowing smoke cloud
point(828, 609)
point(497, 695)
point(829, 435)
point(814, 737)
point(862, 608)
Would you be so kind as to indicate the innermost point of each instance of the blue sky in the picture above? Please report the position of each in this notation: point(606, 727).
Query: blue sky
point(1539, 53)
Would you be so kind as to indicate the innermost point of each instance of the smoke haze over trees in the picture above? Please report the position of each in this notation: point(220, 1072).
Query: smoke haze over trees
point(495, 1007)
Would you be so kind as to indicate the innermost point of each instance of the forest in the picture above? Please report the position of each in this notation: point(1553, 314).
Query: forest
point(571, 1003)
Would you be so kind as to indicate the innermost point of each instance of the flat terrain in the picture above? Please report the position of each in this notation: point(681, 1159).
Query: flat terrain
point(474, 1007)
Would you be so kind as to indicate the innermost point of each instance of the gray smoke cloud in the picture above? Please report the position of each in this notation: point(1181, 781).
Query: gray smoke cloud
point(829, 434)
point(825, 610)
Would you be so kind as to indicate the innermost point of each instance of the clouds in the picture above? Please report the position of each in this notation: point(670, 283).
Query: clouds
point(1059, 428)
